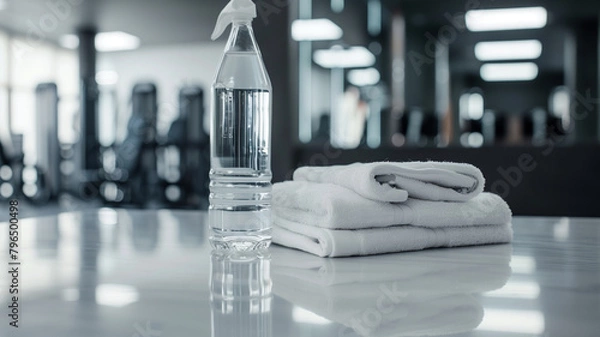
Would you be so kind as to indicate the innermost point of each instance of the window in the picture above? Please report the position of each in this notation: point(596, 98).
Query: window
point(22, 109)
point(31, 65)
point(67, 81)
point(22, 67)
point(4, 129)
point(4, 120)
point(3, 59)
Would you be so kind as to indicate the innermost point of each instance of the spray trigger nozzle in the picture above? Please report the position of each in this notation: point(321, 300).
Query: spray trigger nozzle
point(235, 10)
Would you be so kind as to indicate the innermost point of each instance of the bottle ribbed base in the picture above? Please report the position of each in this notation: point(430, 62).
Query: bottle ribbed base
point(255, 241)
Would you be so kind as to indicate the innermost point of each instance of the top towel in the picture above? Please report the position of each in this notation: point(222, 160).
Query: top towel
point(396, 182)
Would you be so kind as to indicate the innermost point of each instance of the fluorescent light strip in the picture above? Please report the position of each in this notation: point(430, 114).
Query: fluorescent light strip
point(501, 72)
point(116, 295)
point(105, 41)
point(518, 289)
point(508, 50)
point(112, 295)
point(107, 77)
point(364, 77)
point(316, 30)
point(302, 315)
point(561, 230)
point(69, 41)
point(338, 57)
point(116, 41)
point(523, 264)
point(506, 19)
point(513, 321)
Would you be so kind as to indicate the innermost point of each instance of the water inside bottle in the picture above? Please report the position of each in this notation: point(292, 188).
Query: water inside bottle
point(240, 198)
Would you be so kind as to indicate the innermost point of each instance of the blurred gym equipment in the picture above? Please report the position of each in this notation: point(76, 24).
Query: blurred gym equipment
point(41, 182)
point(133, 178)
point(535, 126)
point(6, 176)
point(186, 153)
point(420, 128)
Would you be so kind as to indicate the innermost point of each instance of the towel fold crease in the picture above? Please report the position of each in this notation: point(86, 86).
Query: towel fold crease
point(396, 182)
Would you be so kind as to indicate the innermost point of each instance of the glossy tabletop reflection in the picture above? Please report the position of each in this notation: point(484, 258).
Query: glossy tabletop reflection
point(151, 273)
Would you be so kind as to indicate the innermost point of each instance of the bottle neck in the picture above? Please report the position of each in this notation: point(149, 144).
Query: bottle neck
point(242, 38)
point(242, 22)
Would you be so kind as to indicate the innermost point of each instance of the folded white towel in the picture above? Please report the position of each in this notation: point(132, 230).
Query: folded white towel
point(336, 243)
point(330, 221)
point(335, 207)
point(395, 182)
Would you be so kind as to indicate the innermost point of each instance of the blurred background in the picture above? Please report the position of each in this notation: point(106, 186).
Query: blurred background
point(106, 102)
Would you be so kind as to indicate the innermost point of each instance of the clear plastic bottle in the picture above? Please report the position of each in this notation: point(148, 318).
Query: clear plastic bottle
point(240, 187)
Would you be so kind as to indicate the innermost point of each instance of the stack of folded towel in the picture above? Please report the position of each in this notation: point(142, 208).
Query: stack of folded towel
point(364, 209)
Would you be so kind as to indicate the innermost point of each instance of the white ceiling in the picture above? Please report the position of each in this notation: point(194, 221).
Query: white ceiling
point(154, 21)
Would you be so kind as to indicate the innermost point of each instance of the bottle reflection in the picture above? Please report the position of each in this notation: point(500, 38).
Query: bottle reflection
point(88, 271)
point(240, 286)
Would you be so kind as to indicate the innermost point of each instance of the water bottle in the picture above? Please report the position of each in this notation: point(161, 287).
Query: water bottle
point(240, 175)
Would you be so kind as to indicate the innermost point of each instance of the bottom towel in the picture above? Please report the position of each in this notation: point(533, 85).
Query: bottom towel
point(336, 243)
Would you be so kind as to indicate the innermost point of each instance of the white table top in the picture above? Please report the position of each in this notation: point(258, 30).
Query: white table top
point(149, 273)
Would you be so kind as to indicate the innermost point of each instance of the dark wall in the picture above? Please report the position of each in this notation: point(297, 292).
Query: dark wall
point(272, 33)
point(517, 97)
point(353, 21)
point(586, 110)
point(419, 67)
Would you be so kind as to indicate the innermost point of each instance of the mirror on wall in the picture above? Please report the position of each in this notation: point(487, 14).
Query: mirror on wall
point(382, 73)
